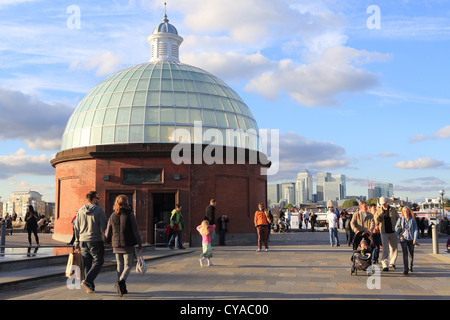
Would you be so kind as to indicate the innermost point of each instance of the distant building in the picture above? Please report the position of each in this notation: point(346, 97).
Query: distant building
point(288, 192)
point(20, 200)
point(330, 186)
point(381, 190)
point(304, 187)
point(273, 193)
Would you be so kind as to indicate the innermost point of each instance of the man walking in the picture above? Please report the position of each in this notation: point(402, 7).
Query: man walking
point(362, 220)
point(90, 227)
point(176, 218)
point(210, 215)
point(387, 217)
point(332, 226)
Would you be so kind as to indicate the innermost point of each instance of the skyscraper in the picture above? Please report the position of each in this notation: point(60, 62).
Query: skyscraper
point(382, 190)
point(304, 187)
point(330, 186)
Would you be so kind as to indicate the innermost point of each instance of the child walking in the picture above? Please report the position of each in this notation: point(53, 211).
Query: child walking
point(204, 229)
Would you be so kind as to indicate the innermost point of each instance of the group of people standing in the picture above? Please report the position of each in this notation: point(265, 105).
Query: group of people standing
point(385, 228)
point(92, 230)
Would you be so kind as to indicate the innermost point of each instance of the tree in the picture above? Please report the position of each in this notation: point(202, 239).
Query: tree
point(288, 206)
point(349, 203)
point(372, 200)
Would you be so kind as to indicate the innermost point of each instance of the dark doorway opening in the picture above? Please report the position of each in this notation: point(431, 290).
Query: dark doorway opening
point(163, 204)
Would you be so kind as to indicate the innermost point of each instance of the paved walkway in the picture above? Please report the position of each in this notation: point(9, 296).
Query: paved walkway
point(298, 265)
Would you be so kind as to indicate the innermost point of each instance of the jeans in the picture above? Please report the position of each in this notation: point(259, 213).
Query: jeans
point(408, 254)
point(92, 252)
point(334, 236)
point(124, 264)
point(306, 223)
point(376, 246)
point(172, 240)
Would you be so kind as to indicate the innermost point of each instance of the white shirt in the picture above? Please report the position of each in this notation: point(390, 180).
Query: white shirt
point(332, 219)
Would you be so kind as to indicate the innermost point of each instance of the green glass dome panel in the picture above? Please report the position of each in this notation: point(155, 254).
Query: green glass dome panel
point(147, 102)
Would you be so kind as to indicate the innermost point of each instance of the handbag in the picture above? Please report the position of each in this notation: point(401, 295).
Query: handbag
point(141, 268)
point(75, 267)
point(400, 226)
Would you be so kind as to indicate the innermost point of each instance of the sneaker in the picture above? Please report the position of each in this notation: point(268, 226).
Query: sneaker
point(267, 250)
point(210, 263)
point(385, 269)
point(393, 266)
point(88, 287)
point(259, 250)
point(201, 261)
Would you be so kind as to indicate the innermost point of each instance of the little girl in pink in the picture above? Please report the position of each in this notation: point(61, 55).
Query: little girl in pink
point(204, 229)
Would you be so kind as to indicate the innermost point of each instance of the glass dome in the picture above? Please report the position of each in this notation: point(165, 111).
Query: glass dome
point(146, 103)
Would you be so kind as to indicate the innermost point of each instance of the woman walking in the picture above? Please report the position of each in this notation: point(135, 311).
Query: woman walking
point(123, 234)
point(31, 219)
point(407, 231)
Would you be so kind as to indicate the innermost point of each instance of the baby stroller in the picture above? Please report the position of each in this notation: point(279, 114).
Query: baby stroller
point(362, 257)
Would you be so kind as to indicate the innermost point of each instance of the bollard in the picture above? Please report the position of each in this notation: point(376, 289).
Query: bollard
point(2, 242)
point(435, 239)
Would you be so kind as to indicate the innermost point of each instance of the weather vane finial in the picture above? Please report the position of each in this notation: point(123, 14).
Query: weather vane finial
point(165, 12)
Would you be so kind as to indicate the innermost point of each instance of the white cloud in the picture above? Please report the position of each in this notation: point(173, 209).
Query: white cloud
point(4, 3)
point(231, 65)
point(38, 124)
point(387, 155)
point(320, 82)
point(443, 133)
point(421, 163)
point(297, 152)
point(425, 181)
point(22, 163)
point(418, 138)
point(104, 63)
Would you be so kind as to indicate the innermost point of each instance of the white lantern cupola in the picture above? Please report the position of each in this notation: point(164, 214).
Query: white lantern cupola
point(165, 42)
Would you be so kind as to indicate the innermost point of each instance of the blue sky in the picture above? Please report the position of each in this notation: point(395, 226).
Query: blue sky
point(370, 103)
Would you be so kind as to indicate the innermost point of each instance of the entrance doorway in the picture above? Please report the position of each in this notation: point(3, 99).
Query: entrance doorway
point(163, 204)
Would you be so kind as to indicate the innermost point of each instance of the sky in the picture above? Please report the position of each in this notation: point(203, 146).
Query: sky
point(359, 88)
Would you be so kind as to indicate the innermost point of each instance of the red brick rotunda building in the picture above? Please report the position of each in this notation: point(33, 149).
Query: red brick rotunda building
point(130, 133)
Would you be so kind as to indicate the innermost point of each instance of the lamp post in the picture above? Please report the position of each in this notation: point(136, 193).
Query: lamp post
point(442, 192)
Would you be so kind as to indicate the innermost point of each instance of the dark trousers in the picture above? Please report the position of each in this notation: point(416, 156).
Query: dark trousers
point(92, 252)
point(35, 235)
point(350, 235)
point(376, 246)
point(262, 236)
point(408, 254)
point(178, 235)
point(222, 233)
